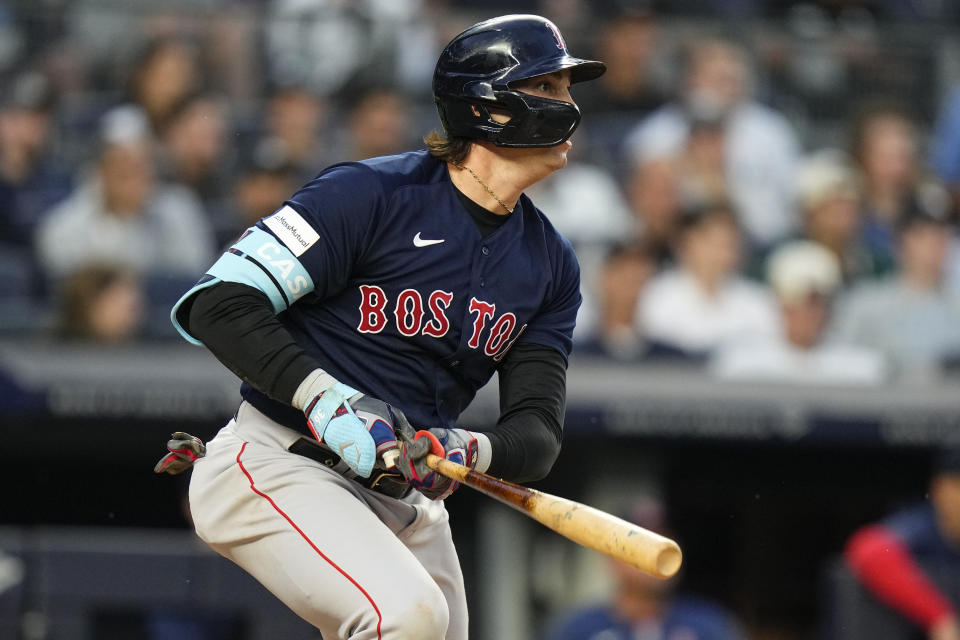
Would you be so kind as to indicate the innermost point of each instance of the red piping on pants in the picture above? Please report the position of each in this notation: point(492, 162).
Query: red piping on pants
point(309, 541)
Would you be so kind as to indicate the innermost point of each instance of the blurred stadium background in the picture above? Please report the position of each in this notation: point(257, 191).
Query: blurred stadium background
point(834, 123)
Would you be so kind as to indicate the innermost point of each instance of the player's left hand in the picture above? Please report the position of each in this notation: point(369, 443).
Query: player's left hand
point(380, 420)
point(456, 445)
point(184, 449)
point(360, 430)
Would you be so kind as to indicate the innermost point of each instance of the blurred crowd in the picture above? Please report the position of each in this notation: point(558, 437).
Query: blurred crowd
point(769, 190)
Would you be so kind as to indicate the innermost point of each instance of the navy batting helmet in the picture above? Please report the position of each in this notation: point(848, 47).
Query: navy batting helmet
point(477, 70)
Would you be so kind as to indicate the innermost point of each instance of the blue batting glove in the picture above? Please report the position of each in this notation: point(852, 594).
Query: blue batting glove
point(359, 431)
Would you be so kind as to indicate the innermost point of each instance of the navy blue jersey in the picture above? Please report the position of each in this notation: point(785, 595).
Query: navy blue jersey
point(409, 303)
point(917, 527)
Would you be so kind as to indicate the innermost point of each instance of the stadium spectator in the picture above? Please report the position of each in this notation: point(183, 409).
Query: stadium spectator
point(804, 277)
point(761, 147)
point(193, 148)
point(703, 171)
point(828, 193)
point(293, 122)
point(31, 180)
point(642, 607)
point(166, 72)
point(703, 301)
point(263, 181)
point(885, 147)
point(378, 124)
point(910, 559)
point(910, 316)
point(101, 303)
point(654, 193)
point(628, 39)
point(608, 312)
point(120, 214)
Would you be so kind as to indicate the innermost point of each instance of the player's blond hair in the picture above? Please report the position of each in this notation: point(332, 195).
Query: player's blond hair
point(453, 150)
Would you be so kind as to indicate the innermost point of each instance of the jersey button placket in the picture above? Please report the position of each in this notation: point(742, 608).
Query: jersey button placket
point(485, 250)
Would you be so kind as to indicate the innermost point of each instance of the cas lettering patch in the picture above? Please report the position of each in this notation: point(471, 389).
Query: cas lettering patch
point(292, 230)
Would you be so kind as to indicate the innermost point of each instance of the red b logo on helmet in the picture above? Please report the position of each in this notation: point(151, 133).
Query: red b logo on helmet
point(556, 34)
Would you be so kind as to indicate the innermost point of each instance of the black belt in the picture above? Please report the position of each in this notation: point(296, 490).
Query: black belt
point(389, 483)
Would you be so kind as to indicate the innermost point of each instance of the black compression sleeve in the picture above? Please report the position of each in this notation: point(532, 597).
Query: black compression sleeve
point(533, 390)
point(238, 325)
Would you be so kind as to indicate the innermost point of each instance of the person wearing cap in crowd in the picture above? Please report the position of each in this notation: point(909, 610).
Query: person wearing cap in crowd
point(910, 560)
point(828, 195)
point(910, 316)
point(641, 607)
point(804, 277)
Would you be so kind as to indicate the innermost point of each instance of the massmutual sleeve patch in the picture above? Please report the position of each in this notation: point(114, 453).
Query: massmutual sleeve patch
point(292, 230)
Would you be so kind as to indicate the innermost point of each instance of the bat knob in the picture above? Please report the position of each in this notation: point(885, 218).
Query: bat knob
point(390, 457)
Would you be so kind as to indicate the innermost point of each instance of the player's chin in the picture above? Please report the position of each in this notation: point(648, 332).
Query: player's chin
point(558, 161)
point(557, 157)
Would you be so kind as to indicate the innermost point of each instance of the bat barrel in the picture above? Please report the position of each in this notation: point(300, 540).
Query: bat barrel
point(641, 548)
point(592, 528)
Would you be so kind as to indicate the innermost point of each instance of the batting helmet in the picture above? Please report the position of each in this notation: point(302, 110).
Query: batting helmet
point(477, 71)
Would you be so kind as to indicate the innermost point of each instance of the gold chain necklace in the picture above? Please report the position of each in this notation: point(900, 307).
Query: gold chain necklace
point(485, 186)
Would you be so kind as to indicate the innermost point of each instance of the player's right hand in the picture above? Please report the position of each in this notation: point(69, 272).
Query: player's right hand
point(456, 445)
point(358, 430)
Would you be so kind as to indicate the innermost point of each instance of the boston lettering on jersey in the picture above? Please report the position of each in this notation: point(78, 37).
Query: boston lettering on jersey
point(408, 301)
point(408, 316)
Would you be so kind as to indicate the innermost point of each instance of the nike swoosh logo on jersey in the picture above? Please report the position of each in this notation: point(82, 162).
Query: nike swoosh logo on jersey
point(421, 242)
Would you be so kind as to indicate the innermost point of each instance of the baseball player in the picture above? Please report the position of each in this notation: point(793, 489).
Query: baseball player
point(363, 316)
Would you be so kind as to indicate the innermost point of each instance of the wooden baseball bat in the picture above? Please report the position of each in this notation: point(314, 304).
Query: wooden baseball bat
point(592, 528)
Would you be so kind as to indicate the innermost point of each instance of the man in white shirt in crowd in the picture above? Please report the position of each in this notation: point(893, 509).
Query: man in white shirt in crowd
point(704, 301)
point(121, 214)
point(761, 146)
